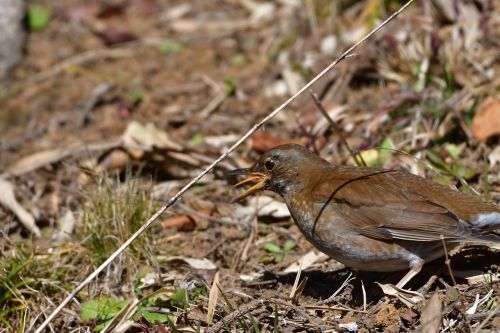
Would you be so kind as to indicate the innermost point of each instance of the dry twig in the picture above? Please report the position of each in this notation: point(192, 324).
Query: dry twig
point(321, 108)
point(242, 311)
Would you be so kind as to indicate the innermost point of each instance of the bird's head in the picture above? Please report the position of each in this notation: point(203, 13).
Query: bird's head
point(282, 169)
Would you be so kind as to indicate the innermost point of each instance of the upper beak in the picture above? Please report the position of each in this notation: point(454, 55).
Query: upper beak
point(258, 177)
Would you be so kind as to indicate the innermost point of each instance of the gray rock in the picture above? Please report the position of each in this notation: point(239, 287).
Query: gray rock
point(12, 34)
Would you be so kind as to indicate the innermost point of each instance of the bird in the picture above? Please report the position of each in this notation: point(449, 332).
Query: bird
point(371, 219)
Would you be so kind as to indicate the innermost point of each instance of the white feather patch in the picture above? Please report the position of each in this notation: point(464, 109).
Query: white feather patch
point(486, 220)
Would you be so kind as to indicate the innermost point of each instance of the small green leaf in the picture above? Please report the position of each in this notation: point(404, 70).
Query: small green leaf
point(179, 298)
point(238, 60)
point(171, 47)
point(491, 304)
point(370, 156)
point(278, 257)
point(265, 259)
point(229, 85)
point(153, 317)
point(102, 325)
point(386, 151)
point(453, 150)
point(137, 95)
point(102, 308)
point(271, 247)
point(462, 171)
point(443, 180)
point(452, 294)
point(90, 310)
point(196, 140)
point(38, 16)
point(289, 245)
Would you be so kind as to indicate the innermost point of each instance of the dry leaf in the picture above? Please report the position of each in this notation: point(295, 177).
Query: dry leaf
point(486, 122)
point(115, 160)
point(432, 316)
point(8, 200)
point(43, 158)
point(407, 297)
point(111, 36)
point(181, 223)
point(388, 318)
point(212, 298)
point(147, 137)
point(309, 259)
point(267, 206)
point(194, 263)
point(36, 160)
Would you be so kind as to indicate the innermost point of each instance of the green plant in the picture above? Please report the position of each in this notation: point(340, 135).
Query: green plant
point(276, 252)
point(171, 47)
point(38, 17)
point(116, 210)
point(102, 310)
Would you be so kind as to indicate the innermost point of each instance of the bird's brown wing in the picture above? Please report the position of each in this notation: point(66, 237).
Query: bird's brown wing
point(379, 206)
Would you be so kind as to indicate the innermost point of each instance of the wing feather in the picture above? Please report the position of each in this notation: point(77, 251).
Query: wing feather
point(379, 206)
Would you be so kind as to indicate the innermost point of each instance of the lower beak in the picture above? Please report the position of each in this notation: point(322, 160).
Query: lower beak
point(257, 177)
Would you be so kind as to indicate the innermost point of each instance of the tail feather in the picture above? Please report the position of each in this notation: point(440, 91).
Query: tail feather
point(488, 222)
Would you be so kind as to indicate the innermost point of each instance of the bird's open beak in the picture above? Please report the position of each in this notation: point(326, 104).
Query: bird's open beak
point(258, 177)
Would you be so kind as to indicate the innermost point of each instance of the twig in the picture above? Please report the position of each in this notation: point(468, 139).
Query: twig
point(79, 59)
point(214, 104)
point(242, 311)
point(221, 220)
point(297, 279)
point(86, 109)
point(447, 261)
point(321, 108)
point(342, 286)
point(364, 295)
point(332, 308)
point(181, 192)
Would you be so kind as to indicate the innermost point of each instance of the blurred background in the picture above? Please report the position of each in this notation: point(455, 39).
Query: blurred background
point(107, 108)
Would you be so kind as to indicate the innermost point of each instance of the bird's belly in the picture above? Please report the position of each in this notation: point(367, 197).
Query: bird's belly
point(368, 254)
point(365, 253)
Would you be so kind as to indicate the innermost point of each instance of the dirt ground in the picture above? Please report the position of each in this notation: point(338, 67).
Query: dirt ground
point(118, 104)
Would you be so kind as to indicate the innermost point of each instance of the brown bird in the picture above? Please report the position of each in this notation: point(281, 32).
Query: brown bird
point(371, 219)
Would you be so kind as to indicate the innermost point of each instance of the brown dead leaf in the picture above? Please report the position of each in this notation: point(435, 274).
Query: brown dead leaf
point(181, 223)
point(147, 137)
point(486, 122)
point(36, 160)
point(111, 36)
point(186, 222)
point(407, 297)
point(431, 316)
point(212, 298)
point(262, 142)
point(46, 157)
point(194, 263)
point(197, 314)
point(115, 160)
point(388, 318)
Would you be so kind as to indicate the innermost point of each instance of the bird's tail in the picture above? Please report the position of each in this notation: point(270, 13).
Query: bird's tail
point(487, 222)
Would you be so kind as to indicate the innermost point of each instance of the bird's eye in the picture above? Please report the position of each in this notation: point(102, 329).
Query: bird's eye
point(269, 165)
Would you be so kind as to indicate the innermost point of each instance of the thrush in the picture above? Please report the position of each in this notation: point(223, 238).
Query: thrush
point(371, 219)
